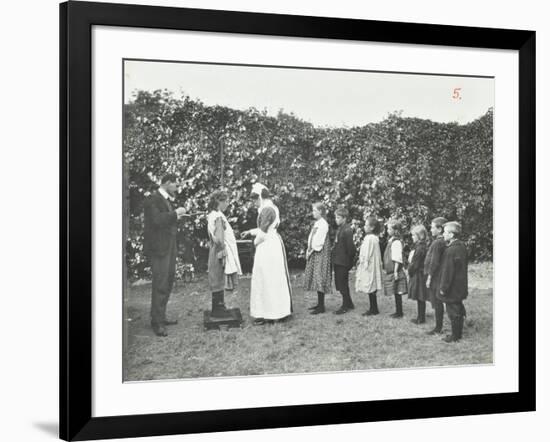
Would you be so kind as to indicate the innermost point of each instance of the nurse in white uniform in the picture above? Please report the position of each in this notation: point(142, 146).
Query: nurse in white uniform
point(270, 292)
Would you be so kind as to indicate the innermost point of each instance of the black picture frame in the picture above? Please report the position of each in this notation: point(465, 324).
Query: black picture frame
point(76, 21)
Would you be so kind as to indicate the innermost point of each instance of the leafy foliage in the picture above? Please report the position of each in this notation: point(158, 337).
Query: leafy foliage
point(409, 168)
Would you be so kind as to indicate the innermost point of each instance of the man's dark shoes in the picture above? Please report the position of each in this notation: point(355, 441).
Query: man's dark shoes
point(370, 313)
point(451, 338)
point(435, 331)
point(396, 315)
point(418, 321)
point(318, 310)
point(160, 331)
point(342, 310)
point(314, 307)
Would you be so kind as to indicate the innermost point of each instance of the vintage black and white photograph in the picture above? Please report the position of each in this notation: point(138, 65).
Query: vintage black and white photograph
point(290, 220)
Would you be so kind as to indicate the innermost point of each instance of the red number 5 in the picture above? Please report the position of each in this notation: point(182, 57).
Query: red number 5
point(456, 93)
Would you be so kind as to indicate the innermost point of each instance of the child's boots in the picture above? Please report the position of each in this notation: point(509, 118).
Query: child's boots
point(398, 307)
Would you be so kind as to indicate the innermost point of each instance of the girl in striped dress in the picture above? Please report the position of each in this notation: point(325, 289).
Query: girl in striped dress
point(318, 274)
point(395, 281)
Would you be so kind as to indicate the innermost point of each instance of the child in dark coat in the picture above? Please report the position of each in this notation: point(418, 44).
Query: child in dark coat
point(417, 280)
point(453, 288)
point(432, 270)
point(343, 259)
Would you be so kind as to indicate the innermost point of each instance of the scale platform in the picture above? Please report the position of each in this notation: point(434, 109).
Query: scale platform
point(231, 320)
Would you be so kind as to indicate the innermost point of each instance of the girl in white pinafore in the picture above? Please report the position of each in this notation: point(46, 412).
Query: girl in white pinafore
point(270, 292)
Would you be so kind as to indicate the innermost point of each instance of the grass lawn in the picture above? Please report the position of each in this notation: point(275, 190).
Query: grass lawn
point(305, 343)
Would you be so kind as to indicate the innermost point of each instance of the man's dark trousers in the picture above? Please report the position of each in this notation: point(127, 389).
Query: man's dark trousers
point(163, 268)
point(160, 245)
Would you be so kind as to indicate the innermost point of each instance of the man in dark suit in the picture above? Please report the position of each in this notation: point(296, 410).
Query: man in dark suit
point(161, 248)
point(453, 286)
point(343, 259)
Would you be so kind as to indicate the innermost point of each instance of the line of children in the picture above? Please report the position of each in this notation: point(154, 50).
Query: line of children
point(437, 273)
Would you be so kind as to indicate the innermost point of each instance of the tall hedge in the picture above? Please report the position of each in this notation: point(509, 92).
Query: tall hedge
point(411, 168)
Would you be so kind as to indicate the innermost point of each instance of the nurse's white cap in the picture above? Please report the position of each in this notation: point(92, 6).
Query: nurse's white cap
point(257, 188)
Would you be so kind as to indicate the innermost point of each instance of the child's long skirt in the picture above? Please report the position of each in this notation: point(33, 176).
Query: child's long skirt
point(393, 286)
point(217, 278)
point(417, 287)
point(318, 274)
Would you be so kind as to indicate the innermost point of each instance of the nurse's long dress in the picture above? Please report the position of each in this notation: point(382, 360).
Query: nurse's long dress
point(270, 292)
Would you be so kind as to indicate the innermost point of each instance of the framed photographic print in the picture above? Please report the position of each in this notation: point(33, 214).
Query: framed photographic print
point(273, 220)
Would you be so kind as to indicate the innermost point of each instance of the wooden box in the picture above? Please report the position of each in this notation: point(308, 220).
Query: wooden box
point(233, 319)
